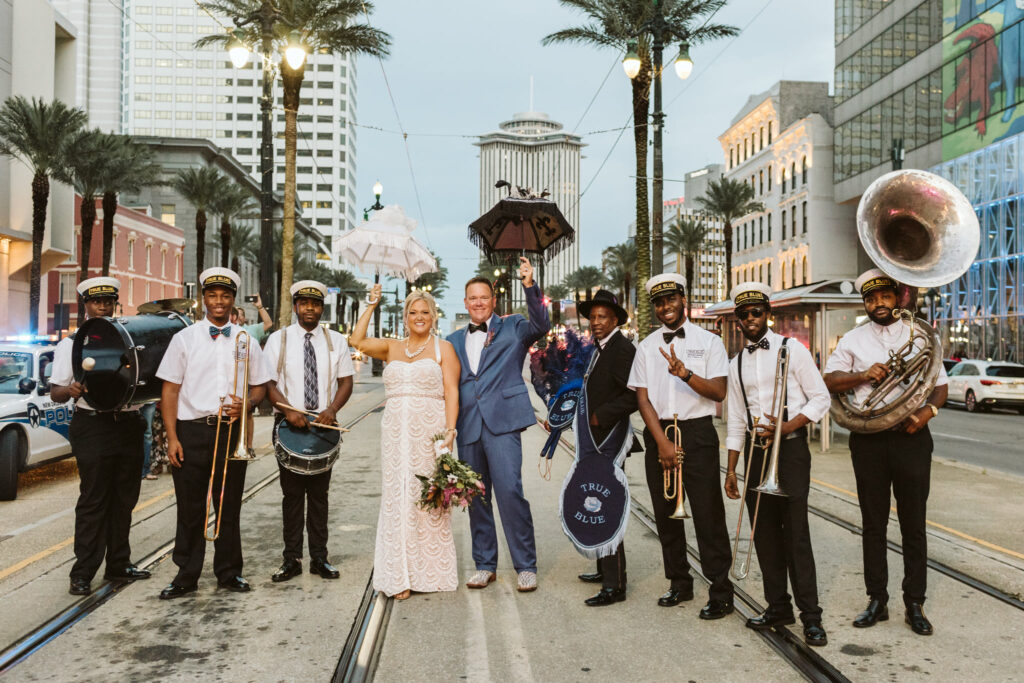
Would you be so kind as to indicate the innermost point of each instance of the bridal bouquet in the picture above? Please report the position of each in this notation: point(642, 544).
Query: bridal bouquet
point(453, 483)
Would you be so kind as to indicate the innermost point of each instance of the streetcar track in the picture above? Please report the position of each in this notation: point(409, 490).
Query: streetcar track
point(784, 642)
point(38, 637)
point(359, 657)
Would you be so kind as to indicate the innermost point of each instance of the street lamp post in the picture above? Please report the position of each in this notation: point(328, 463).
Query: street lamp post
point(377, 367)
point(659, 31)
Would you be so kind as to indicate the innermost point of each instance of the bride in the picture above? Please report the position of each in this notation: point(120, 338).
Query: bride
point(415, 550)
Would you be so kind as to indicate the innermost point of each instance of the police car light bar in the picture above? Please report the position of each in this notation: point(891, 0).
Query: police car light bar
point(30, 339)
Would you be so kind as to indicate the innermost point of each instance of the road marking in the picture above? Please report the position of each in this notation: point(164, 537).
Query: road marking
point(40, 522)
point(958, 437)
point(478, 667)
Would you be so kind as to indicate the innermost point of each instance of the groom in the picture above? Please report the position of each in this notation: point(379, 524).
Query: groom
point(494, 408)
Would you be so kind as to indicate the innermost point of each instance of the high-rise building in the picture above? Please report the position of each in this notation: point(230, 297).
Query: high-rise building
point(172, 89)
point(943, 81)
point(781, 144)
point(532, 151)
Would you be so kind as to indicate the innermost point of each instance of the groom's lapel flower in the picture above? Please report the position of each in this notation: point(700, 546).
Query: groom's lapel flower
point(490, 337)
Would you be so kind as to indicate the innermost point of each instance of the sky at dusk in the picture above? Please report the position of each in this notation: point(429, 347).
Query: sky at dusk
point(460, 67)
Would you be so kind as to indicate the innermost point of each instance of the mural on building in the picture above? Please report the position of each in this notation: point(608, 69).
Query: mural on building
point(981, 73)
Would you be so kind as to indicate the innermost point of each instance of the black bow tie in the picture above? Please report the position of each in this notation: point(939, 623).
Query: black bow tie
point(482, 327)
point(763, 344)
point(669, 336)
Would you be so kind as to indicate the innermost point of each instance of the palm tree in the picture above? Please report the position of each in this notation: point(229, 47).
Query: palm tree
point(234, 202)
point(619, 262)
point(437, 281)
point(131, 167)
point(200, 187)
point(728, 200)
point(243, 244)
point(88, 162)
point(37, 133)
point(556, 293)
point(685, 237)
point(322, 26)
point(584, 279)
point(613, 24)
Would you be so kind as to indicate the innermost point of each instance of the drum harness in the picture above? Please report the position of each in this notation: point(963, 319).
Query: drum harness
point(282, 366)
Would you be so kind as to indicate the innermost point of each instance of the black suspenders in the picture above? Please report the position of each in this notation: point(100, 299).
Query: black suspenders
point(743, 389)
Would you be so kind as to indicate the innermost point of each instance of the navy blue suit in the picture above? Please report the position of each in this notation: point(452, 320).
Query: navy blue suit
point(494, 407)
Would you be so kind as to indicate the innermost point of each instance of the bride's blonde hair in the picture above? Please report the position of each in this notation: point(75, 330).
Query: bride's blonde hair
point(421, 295)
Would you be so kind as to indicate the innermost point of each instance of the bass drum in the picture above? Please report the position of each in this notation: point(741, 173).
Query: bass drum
point(306, 451)
point(122, 356)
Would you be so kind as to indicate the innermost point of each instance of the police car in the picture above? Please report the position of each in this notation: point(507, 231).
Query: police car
point(33, 429)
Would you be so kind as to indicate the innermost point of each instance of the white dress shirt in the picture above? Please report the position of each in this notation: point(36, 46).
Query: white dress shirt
point(867, 344)
point(330, 366)
point(700, 351)
point(204, 367)
point(61, 372)
point(806, 393)
point(475, 345)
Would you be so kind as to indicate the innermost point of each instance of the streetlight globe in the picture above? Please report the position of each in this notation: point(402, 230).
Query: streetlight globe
point(237, 50)
point(631, 62)
point(295, 52)
point(378, 189)
point(684, 65)
point(497, 272)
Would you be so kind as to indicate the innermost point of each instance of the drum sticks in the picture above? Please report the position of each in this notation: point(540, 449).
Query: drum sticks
point(308, 412)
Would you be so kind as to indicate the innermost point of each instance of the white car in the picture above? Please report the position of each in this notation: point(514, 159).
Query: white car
point(982, 384)
point(33, 429)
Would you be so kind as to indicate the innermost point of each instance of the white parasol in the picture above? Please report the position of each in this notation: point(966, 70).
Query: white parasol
point(385, 245)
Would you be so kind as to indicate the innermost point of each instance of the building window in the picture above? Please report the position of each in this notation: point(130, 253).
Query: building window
point(753, 143)
point(769, 132)
point(782, 280)
point(769, 283)
point(792, 173)
point(783, 229)
point(769, 225)
point(792, 233)
point(147, 290)
point(769, 179)
point(760, 230)
point(803, 172)
point(760, 182)
point(167, 213)
point(783, 180)
point(131, 291)
point(68, 292)
point(805, 268)
point(149, 251)
point(803, 213)
point(131, 254)
point(177, 266)
point(762, 137)
point(163, 263)
point(792, 269)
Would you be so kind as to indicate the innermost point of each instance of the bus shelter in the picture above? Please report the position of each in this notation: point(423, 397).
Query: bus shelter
point(816, 315)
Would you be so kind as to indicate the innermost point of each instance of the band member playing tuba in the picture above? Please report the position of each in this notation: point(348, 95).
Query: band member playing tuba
point(108, 449)
point(898, 459)
point(311, 369)
point(781, 535)
point(678, 374)
point(202, 366)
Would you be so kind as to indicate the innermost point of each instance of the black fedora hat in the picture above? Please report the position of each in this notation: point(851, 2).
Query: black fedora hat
point(604, 298)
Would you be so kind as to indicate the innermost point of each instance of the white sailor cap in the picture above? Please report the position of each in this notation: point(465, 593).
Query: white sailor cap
point(750, 293)
point(666, 283)
point(871, 280)
point(310, 289)
point(219, 277)
point(99, 287)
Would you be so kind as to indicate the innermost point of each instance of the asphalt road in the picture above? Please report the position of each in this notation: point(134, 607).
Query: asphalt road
point(992, 441)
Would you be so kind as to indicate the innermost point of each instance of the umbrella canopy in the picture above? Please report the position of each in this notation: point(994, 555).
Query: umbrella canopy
point(385, 245)
point(522, 224)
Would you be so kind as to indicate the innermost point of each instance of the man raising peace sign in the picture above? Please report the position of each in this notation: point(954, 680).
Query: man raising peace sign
point(679, 373)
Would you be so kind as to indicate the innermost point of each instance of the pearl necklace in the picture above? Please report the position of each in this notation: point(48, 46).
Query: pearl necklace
point(412, 354)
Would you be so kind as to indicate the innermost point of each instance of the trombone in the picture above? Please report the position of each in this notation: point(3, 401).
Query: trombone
point(768, 484)
point(241, 361)
point(672, 486)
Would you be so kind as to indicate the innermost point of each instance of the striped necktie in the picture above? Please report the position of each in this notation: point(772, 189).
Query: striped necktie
point(311, 389)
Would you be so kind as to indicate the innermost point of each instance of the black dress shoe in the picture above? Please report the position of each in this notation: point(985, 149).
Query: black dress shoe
point(674, 596)
point(289, 570)
point(595, 577)
point(765, 621)
point(175, 591)
point(129, 573)
point(236, 584)
point(79, 587)
point(814, 634)
point(607, 596)
point(323, 568)
point(716, 609)
point(875, 612)
point(918, 621)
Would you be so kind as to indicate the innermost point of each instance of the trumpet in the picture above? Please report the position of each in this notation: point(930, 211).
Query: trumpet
point(672, 486)
point(241, 362)
point(768, 484)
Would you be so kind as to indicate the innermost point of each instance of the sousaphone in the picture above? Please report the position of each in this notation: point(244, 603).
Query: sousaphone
point(920, 230)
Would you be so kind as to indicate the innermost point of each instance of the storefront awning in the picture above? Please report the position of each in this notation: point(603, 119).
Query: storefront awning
point(834, 293)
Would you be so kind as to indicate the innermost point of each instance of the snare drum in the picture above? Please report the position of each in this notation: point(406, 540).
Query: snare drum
point(306, 451)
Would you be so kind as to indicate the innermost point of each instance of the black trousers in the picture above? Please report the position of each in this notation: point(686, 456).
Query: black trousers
point(901, 462)
point(108, 450)
point(613, 569)
point(191, 481)
point(304, 498)
point(702, 484)
point(783, 537)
